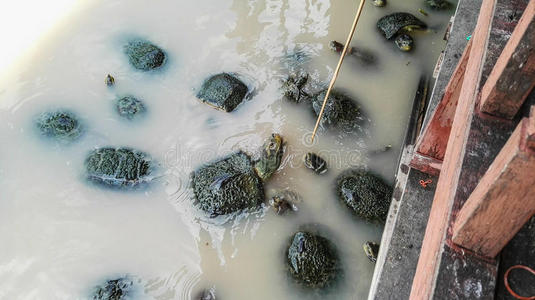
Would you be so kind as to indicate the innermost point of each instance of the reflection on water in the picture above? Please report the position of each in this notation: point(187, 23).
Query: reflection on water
point(61, 237)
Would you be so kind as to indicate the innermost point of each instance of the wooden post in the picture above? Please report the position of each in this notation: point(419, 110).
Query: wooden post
point(433, 140)
point(435, 233)
point(504, 199)
point(513, 76)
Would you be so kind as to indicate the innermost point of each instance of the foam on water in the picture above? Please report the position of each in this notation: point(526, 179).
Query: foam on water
point(60, 236)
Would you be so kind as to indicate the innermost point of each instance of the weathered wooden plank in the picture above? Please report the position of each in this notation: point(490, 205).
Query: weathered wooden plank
point(426, 164)
point(503, 200)
point(447, 185)
point(513, 76)
point(433, 140)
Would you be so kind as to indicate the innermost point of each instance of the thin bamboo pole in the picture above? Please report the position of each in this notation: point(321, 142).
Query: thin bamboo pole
point(337, 70)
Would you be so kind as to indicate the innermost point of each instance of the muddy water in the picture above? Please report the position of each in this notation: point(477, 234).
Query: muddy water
point(59, 236)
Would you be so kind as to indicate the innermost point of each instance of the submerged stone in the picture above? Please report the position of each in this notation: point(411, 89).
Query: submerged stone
point(115, 289)
point(60, 125)
point(222, 91)
point(365, 194)
point(118, 167)
point(130, 107)
point(313, 261)
point(143, 55)
point(341, 112)
point(390, 25)
point(227, 185)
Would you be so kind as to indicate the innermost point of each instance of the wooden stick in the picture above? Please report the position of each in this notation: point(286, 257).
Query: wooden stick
point(337, 70)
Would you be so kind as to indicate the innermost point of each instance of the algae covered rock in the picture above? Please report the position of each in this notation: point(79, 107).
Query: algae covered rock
point(313, 261)
point(365, 194)
point(143, 55)
point(227, 185)
point(390, 25)
point(118, 167)
point(114, 289)
point(222, 91)
point(130, 107)
point(341, 111)
point(61, 125)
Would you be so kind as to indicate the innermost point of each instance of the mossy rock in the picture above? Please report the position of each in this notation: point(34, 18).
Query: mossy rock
point(144, 55)
point(118, 167)
point(313, 261)
point(130, 107)
point(60, 125)
point(222, 91)
point(114, 289)
point(365, 194)
point(227, 185)
point(390, 25)
point(340, 112)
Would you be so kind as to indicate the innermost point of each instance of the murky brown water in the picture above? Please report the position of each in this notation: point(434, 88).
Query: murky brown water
point(59, 236)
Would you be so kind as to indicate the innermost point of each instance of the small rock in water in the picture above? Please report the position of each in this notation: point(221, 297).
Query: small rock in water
point(143, 55)
point(61, 125)
point(118, 167)
point(313, 261)
point(115, 289)
point(222, 91)
point(404, 42)
point(130, 107)
point(315, 163)
point(110, 81)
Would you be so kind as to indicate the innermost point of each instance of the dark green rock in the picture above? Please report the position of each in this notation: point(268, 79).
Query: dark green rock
point(438, 4)
point(390, 25)
point(143, 55)
point(365, 194)
point(118, 167)
point(130, 107)
point(227, 185)
point(313, 261)
point(115, 289)
point(404, 42)
point(222, 91)
point(60, 125)
point(341, 112)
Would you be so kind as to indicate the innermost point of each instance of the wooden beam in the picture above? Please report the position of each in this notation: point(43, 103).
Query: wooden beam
point(513, 76)
point(433, 140)
point(504, 199)
point(425, 164)
point(435, 233)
